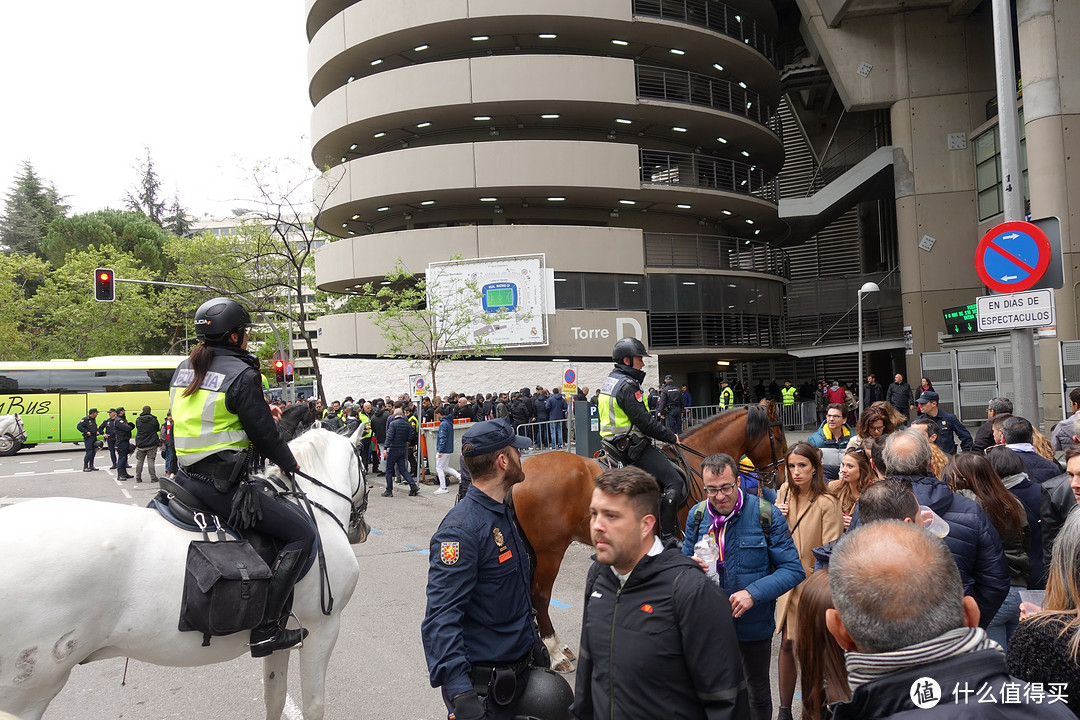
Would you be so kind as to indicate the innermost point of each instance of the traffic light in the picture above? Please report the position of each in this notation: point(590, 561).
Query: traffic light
point(104, 285)
point(279, 370)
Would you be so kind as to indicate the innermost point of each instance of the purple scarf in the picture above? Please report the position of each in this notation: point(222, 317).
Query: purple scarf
point(717, 527)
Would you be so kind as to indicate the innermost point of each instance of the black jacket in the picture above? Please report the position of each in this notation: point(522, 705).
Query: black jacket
point(88, 427)
point(628, 395)
point(900, 397)
point(1038, 468)
point(379, 418)
point(397, 433)
point(146, 430)
point(890, 696)
point(984, 437)
point(122, 430)
point(1057, 502)
point(662, 646)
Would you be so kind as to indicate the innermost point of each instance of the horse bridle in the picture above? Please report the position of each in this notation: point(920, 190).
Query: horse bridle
point(769, 474)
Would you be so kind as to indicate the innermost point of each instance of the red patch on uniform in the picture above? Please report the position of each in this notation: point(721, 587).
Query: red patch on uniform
point(638, 395)
point(647, 608)
point(505, 556)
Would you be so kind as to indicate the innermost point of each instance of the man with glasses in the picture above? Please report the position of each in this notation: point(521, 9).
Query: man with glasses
point(832, 437)
point(743, 525)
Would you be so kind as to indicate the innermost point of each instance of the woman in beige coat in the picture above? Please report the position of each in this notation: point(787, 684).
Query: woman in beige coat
point(814, 517)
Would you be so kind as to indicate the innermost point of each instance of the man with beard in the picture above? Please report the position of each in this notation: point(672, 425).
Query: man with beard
point(478, 631)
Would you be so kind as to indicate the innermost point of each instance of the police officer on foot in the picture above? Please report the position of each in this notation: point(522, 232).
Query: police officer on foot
point(218, 414)
point(89, 429)
point(626, 426)
point(480, 640)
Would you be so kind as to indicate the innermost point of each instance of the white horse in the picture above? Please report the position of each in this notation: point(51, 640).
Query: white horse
point(82, 580)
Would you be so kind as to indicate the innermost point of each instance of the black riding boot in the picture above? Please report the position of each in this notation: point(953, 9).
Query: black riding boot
point(271, 634)
point(669, 514)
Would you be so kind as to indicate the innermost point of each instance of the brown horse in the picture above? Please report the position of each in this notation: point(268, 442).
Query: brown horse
point(552, 504)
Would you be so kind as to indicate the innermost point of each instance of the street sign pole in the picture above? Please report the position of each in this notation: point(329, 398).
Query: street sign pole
point(1025, 401)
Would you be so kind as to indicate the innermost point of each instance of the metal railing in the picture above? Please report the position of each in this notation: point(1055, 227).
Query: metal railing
point(714, 252)
point(667, 330)
point(713, 15)
point(661, 167)
point(696, 89)
point(547, 435)
point(820, 310)
point(835, 163)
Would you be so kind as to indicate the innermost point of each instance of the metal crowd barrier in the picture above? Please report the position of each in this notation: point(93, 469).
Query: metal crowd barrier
point(547, 435)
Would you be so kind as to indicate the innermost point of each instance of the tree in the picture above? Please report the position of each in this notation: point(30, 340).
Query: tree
point(20, 276)
point(147, 196)
point(177, 222)
point(30, 206)
point(428, 319)
point(129, 232)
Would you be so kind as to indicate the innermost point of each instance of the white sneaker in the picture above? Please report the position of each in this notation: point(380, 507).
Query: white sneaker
point(440, 491)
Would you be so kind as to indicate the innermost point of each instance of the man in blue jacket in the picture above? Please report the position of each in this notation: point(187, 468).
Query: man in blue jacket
point(948, 424)
point(758, 563)
point(832, 437)
point(397, 447)
point(444, 448)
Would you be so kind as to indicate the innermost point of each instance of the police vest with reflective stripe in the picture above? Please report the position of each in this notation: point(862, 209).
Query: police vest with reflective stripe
point(201, 424)
point(613, 420)
point(365, 419)
point(788, 394)
point(727, 397)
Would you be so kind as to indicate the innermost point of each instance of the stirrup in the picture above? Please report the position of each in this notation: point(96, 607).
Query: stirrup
point(263, 648)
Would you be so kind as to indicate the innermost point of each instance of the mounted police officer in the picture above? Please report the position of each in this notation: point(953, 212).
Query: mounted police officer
point(626, 426)
point(481, 643)
point(219, 414)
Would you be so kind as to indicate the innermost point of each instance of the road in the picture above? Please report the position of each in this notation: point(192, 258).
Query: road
point(378, 668)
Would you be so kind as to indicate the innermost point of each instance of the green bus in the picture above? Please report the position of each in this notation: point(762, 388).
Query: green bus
point(49, 398)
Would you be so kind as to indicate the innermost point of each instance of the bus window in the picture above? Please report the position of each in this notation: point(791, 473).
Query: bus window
point(24, 381)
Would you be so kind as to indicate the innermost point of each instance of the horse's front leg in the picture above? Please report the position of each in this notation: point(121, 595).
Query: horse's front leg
point(275, 683)
point(314, 657)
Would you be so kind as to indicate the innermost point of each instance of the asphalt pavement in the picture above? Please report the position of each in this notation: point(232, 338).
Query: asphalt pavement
point(377, 669)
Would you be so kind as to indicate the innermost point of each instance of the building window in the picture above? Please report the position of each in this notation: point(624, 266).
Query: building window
point(988, 184)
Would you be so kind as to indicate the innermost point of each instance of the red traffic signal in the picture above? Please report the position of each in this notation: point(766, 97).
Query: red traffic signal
point(104, 285)
point(279, 369)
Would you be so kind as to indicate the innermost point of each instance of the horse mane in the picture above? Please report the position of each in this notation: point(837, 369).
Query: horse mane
point(757, 422)
point(295, 419)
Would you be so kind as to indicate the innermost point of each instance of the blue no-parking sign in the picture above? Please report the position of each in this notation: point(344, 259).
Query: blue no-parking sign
point(1012, 257)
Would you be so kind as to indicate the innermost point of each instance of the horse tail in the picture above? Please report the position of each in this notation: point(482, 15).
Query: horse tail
point(757, 423)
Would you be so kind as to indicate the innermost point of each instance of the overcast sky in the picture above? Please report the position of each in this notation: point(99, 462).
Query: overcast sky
point(211, 87)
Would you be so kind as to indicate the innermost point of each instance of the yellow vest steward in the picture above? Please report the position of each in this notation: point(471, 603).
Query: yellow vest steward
point(727, 397)
point(364, 419)
point(201, 424)
point(789, 395)
point(613, 421)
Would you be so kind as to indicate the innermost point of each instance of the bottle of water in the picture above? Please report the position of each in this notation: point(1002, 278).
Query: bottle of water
point(706, 550)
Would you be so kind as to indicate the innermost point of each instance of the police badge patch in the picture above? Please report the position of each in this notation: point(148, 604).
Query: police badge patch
point(449, 553)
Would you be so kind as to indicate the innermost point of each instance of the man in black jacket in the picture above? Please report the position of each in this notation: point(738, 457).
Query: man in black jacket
point(920, 652)
point(899, 395)
point(398, 431)
point(122, 429)
point(146, 442)
point(1017, 434)
point(89, 429)
point(106, 430)
point(379, 419)
point(656, 632)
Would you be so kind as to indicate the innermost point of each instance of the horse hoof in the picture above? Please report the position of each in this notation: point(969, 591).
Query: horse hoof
point(563, 666)
point(570, 656)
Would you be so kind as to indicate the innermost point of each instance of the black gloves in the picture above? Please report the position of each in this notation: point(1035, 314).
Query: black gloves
point(468, 706)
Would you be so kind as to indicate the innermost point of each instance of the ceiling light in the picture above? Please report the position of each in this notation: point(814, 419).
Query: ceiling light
point(343, 159)
point(548, 36)
point(353, 146)
point(352, 232)
point(423, 124)
point(384, 208)
point(351, 78)
point(722, 140)
point(749, 221)
point(379, 135)
point(355, 217)
point(619, 42)
point(676, 51)
point(556, 199)
point(623, 121)
point(718, 66)
point(683, 207)
point(420, 48)
point(745, 154)
point(738, 18)
point(757, 232)
point(689, 283)
point(481, 117)
point(629, 282)
point(344, 225)
point(627, 202)
point(480, 38)
point(376, 61)
point(726, 212)
point(488, 199)
point(679, 129)
point(742, 85)
point(724, 363)
point(428, 202)
point(550, 116)
point(387, 282)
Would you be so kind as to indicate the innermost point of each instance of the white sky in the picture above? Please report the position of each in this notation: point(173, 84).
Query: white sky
point(210, 86)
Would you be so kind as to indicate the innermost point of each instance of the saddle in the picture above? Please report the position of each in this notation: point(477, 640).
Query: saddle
point(180, 508)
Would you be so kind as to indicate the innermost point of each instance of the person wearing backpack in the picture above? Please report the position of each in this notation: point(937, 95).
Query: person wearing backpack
point(758, 563)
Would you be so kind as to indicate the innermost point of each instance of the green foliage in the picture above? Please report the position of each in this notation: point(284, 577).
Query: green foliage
point(129, 232)
point(147, 196)
point(422, 332)
point(30, 206)
point(20, 276)
point(177, 222)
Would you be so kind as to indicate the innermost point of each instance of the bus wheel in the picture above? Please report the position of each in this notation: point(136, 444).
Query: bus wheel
point(9, 445)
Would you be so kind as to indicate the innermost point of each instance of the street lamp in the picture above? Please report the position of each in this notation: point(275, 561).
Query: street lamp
point(866, 289)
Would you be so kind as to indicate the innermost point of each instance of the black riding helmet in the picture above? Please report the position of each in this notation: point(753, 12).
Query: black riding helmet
point(216, 318)
point(628, 347)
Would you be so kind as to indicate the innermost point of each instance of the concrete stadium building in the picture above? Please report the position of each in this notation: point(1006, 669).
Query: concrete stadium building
point(724, 175)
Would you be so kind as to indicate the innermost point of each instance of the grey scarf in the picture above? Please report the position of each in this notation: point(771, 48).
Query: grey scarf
point(867, 667)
